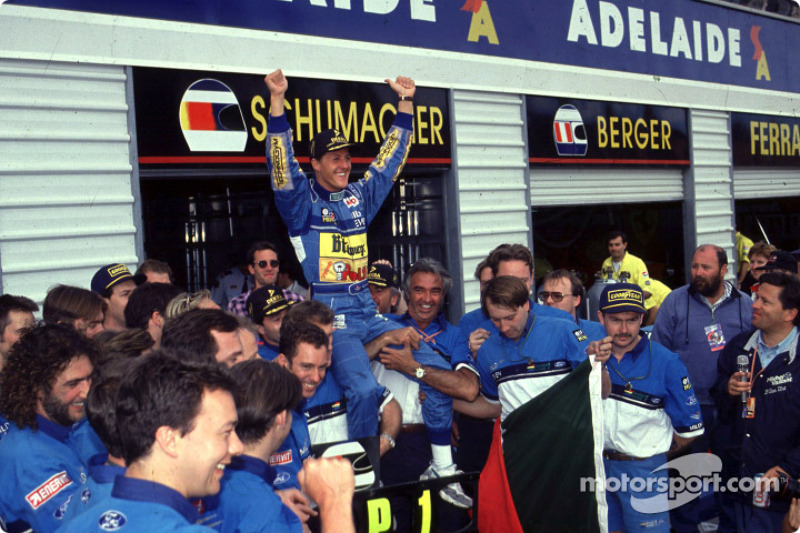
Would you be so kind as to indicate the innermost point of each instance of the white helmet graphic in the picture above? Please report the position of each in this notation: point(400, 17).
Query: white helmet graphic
point(211, 119)
point(569, 132)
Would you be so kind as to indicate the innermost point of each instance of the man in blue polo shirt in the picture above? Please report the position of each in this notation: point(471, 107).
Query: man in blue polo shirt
point(321, 416)
point(42, 393)
point(513, 260)
point(528, 355)
point(176, 426)
point(266, 396)
point(426, 286)
point(101, 416)
point(652, 409)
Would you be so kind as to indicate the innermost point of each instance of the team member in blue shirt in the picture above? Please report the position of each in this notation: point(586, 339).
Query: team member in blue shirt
point(42, 393)
point(266, 395)
point(652, 409)
point(327, 219)
point(102, 418)
point(513, 260)
point(265, 399)
point(16, 317)
point(427, 454)
point(176, 426)
point(528, 355)
point(304, 352)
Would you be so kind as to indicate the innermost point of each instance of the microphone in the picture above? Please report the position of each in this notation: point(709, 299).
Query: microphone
point(742, 362)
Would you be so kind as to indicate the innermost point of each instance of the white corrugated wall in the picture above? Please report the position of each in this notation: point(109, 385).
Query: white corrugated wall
point(492, 178)
point(582, 186)
point(766, 183)
point(66, 202)
point(708, 211)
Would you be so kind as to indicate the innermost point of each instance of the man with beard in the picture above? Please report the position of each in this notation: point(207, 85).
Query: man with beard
point(696, 321)
point(42, 393)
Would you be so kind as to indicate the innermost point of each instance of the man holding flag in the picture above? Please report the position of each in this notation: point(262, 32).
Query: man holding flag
point(534, 376)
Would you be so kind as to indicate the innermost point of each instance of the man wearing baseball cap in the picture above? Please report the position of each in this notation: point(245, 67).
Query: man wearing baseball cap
point(266, 307)
point(782, 262)
point(327, 219)
point(384, 287)
point(651, 410)
point(115, 283)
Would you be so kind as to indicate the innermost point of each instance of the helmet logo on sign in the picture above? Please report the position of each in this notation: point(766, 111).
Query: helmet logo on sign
point(569, 132)
point(211, 119)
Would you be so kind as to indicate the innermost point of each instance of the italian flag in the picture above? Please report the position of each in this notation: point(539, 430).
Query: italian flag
point(540, 454)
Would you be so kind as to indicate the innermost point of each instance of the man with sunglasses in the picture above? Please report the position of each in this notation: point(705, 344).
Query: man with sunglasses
point(651, 410)
point(562, 289)
point(263, 263)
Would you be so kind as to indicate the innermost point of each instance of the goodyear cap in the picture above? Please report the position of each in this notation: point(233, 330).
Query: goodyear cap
point(110, 275)
point(622, 297)
point(328, 141)
point(265, 301)
point(382, 275)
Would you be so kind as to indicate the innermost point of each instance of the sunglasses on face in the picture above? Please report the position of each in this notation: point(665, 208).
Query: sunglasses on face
point(556, 296)
point(263, 264)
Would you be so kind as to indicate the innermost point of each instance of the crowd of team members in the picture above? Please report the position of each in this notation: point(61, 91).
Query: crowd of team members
point(135, 406)
point(250, 429)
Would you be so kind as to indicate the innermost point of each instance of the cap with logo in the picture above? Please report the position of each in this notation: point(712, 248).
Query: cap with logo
point(780, 260)
point(265, 301)
point(622, 297)
point(328, 141)
point(382, 275)
point(111, 275)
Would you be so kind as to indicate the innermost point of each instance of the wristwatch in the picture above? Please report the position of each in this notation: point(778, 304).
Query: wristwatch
point(419, 372)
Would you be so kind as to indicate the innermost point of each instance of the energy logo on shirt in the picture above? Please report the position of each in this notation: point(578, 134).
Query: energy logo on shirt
point(47, 490)
point(342, 259)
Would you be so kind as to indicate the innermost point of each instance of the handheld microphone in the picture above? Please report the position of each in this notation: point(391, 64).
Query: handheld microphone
point(742, 362)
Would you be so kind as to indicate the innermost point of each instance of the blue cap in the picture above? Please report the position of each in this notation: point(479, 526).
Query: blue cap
point(622, 297)
point(110, 275)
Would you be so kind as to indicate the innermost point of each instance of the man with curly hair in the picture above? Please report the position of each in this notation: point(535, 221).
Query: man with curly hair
point(42, 393)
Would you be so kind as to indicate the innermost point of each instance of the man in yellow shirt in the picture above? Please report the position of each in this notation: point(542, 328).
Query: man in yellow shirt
point(621, 262)
point(743, 245)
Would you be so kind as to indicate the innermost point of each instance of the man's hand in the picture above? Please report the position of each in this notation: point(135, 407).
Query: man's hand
point(476, 340)
point(276, 83)
point(328, 481)
point(297, 502)
point(737, 387)
point(403, 86)
point(791, 522)
point(400, 336)
point(401, 360)
point(600, 349)
point(775, 472)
